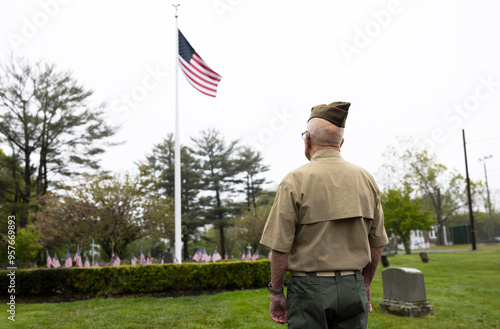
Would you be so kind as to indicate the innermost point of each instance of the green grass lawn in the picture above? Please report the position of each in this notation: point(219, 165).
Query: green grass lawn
point(463, 287)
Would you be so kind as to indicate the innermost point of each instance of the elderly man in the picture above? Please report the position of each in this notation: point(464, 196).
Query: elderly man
point(327, 228)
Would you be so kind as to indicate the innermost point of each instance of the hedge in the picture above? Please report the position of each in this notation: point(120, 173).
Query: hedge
point(174, 279)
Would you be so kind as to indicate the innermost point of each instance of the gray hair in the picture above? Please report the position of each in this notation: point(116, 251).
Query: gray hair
point(325, 133)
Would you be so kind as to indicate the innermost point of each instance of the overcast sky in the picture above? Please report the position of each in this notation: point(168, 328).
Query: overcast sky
point(426, 69)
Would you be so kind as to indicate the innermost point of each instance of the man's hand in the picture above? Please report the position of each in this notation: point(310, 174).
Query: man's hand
point(369, 295)
point(279, 311)
point(369, 272)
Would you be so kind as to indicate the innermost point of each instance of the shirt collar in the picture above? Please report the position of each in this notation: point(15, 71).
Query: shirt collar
point(326, 153)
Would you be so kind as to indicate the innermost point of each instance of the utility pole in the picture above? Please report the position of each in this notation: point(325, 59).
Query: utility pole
point(471, 215)
point(491, 229)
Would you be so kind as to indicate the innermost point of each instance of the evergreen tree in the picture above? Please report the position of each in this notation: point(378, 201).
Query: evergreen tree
point(220, 170)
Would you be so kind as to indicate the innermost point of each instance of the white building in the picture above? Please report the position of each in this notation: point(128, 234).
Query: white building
point(421, 239)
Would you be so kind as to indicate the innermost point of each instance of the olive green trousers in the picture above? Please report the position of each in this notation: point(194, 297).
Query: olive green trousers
point(327, 302)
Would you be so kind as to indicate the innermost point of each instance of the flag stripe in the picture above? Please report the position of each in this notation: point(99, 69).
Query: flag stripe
point(196, 70)
point(202, 90)
point(203, 67)
point(194, 75)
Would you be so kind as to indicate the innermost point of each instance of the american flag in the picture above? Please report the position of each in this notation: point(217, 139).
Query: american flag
point(270, 254)
point(142, 259)
point(175, 260)
point(216, 256)
point(96, 263)
point(115, 261)
point(247, 256)
point(205, 257)
point(78, 259)
point(133, 261)
point(68, 262)
point(87, 263)
point(49, 260)
point(197, 72)
point(255, 256)
point(149, 260)
point(55, 261)
point(162, 260)
point(197, 255)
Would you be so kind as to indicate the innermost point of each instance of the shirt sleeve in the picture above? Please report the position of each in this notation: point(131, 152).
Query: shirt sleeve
point(279, 231)
point(378, 235)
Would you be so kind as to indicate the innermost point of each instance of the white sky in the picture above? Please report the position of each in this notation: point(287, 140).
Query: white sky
point(423, 68)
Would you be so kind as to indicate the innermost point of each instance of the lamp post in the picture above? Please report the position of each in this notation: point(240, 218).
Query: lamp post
point(491, 229)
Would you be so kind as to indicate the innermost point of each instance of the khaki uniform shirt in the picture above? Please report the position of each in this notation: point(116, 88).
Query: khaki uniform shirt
point(326, 214)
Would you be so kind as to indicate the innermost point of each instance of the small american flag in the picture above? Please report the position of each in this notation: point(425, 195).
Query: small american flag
point(49, 260)
point(78, 259)
point(87, 263)
point(133, 261)
point(96, 263)
point(197, 72)
point(142, 259)
point(205, 257)
point(149, 260)
point(216, 256)
point(255, 256)
point(115, 261)
point(55, 262)
point(68, 262)
point(197, 255)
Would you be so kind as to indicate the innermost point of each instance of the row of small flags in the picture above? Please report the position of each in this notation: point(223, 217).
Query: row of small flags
point(200, 256)
point(249, 256)
point(115, 260)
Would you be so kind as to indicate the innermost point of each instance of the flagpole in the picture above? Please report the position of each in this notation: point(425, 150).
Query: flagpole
point(177, 180)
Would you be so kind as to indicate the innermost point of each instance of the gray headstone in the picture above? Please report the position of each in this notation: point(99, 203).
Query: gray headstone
point(385, 261)
point(404, 292)
point(424, 257)
point(403, 283)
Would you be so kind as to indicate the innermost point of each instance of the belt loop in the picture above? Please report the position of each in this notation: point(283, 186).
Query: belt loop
point(338, 277)
point(359, 276)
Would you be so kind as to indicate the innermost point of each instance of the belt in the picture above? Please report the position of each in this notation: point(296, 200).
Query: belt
point(332, 273)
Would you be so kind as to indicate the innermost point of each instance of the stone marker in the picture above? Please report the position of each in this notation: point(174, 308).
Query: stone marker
point(404, 293)
point(424, 257)
point(385, 261)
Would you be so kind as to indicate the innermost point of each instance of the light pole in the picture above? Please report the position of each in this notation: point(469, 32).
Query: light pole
point(491, 230)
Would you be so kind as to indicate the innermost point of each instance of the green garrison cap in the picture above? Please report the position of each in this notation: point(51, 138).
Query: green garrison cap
point(335, 112)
